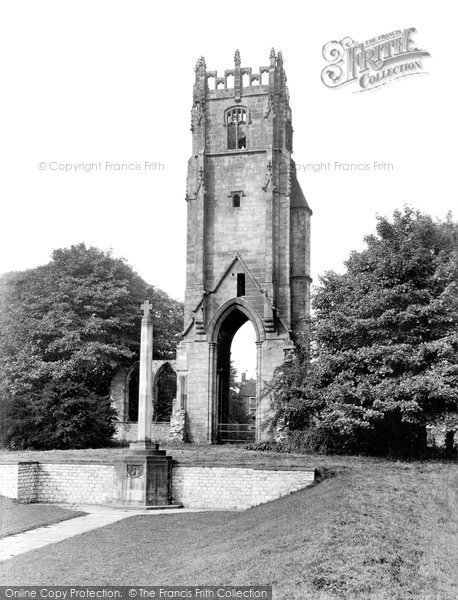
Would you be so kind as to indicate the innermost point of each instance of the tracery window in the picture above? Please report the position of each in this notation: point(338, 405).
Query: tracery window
point(236, 121)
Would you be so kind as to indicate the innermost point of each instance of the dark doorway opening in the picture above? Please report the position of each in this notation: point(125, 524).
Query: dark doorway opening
point(236, 422)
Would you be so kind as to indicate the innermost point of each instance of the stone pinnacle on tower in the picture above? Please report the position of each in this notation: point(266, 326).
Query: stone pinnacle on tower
point(237, 60)
point(200, 64)
point(272, 57)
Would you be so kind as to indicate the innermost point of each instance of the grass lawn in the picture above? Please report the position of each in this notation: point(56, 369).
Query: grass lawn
point(227, 454)
point(232, 454)
point(378, 529)
point(16, 517)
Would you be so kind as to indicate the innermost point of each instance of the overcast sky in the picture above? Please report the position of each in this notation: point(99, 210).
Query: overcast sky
point(111, 82)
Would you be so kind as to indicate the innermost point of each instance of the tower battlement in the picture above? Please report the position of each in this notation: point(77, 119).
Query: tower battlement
point(238, 77)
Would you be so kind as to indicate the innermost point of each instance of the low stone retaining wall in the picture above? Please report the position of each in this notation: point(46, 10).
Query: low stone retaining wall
point(220, 487)
point(195, 486)
point(90, 483)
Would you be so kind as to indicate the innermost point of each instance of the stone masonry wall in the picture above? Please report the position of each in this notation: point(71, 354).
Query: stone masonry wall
point(197, 405)
point(127, 431)
point(69, 482)
point(229, 229)
point(211, 487)
point(226, 488)
point(87, 483)
point(257, 129)
point(27, 481)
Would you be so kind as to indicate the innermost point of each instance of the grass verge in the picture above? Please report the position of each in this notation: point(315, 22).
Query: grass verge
point(16, 517)
point(228, 454)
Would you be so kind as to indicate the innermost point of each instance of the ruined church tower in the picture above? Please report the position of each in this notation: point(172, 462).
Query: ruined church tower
point(248, 239)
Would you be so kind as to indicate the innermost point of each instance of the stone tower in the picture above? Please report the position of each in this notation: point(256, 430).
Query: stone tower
point(248, 239)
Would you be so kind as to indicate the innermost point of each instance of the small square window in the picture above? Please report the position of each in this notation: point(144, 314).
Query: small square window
point(236, 198)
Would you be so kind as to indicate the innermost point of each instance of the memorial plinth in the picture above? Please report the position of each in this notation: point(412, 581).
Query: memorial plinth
point(144, 477)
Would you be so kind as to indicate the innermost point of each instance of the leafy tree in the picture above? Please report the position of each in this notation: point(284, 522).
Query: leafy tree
point(62, 414)
point(237, 410)
point(65, 328)
point(384, 344)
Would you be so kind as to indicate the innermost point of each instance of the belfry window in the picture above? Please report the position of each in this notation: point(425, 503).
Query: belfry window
point(236, 121)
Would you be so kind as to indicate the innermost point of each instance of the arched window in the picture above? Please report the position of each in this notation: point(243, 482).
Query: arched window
point(166, 391)
point(236, 121)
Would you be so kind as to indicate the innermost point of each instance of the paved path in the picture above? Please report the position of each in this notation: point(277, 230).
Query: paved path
point(98, 516)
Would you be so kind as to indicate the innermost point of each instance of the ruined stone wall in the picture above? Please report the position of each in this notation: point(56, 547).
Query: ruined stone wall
point(127, 431)
point(119, 397)
point(197, 361)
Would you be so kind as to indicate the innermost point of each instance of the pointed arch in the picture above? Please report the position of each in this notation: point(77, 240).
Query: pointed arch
point(161, 410)
point(225, 309)
point(236, 119)
point(226, 321)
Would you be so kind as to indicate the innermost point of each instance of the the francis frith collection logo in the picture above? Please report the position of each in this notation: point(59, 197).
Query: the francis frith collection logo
point(374, 63)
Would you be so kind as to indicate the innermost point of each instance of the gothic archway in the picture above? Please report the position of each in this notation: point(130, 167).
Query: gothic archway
point(232, 420)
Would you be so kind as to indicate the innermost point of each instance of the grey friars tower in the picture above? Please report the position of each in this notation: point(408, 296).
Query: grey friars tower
point(248, 239)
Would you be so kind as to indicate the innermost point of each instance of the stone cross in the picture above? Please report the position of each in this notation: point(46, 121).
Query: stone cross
point(146, 306)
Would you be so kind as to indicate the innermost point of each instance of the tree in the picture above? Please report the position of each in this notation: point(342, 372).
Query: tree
point(237, 410)
point(65, 329)
point(384, 344)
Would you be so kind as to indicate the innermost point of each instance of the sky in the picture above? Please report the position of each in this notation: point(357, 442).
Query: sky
point(110, 82)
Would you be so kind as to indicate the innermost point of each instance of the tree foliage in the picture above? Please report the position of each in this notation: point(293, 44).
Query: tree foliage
point(237, 409)
point(65, 328)
point(383, 351)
